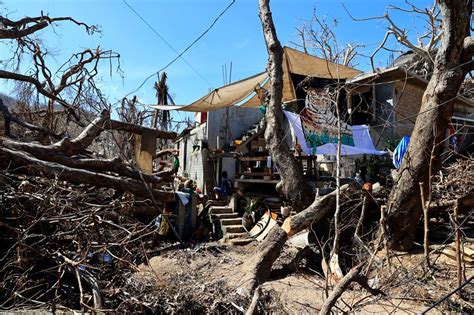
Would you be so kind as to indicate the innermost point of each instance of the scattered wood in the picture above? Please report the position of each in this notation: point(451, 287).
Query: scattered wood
point(354, 275)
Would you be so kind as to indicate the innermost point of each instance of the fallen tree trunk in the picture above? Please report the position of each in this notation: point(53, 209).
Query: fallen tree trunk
point(257, 269)
point(97, 126)
point(137, 129)
point(34, 166)
point(49, 154)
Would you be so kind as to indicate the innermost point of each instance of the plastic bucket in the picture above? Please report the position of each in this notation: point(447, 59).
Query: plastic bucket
point(300, 240)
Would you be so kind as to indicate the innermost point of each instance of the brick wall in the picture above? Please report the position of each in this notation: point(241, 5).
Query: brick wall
point(407, 108)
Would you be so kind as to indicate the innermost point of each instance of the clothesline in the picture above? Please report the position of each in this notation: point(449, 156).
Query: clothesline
point(363, 143)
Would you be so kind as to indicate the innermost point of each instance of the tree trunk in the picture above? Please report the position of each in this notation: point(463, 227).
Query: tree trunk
point(47, 154)
point(292, 185)
point(453, 61)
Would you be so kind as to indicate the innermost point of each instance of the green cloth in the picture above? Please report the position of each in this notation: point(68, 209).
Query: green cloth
point(176, 163)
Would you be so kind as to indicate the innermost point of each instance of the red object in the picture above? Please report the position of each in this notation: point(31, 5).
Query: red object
point(203, 117)
point(367, 186)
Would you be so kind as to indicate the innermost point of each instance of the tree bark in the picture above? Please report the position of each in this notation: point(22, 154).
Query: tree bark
point(292, 185)
point(453, 60)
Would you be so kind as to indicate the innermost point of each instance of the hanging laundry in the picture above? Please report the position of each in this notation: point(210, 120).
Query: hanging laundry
point(399, 152)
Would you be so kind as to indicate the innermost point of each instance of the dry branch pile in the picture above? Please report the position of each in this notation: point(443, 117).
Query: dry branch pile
point(71, 236)
point(68, 246)
point(454, 181)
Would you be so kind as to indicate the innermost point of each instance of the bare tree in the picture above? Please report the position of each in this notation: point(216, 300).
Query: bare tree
point(292, 186)
point(68, 84)
point(318, 37)
point(421, 57)
point(453, 61)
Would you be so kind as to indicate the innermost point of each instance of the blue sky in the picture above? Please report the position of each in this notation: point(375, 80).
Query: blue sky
point(236, 37)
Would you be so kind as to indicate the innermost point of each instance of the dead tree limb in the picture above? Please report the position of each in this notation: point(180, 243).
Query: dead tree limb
point(354, 275)
point(38, 167)
point(137, 129)
point(29, 25)
point(12, 118)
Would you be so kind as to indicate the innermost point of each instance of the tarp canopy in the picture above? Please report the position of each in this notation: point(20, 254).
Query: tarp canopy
point(222, 97)
point(243, 92)
point(297, 62)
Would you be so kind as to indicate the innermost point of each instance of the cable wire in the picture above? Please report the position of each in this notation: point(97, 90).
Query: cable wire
point(179, 55)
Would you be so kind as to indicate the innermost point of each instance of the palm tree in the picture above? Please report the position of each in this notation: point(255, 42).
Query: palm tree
point(162, 116)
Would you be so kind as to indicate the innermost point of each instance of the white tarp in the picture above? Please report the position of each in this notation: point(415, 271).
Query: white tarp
point(362, 141)
point(363, 144)
point(331, 149)
point(295, 125)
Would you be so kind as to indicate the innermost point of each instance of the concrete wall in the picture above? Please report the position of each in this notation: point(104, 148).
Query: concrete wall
point(406, 100)
point(192, 163)
point(236, 118)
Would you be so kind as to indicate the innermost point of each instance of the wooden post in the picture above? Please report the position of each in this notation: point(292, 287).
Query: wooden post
point(458, 245)
point(361, 219)
point(145, 150)
point(426, 242)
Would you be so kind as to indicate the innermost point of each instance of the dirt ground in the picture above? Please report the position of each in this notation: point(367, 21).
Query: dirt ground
point(207, 277)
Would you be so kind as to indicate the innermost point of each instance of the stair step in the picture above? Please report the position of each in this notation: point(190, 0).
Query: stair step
point(233, 228)
point(240, 241)
point(231, 221)
point(220, 209)
point(223, 216)
point(230, 236)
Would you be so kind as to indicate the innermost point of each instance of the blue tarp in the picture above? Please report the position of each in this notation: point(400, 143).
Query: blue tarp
point(399, 152)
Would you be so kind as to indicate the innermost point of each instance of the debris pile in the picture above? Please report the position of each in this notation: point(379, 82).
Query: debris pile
point(454, 181)
point(69, 246)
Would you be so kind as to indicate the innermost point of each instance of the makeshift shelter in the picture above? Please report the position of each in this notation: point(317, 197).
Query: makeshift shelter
point(244, 92)
point(228, 120)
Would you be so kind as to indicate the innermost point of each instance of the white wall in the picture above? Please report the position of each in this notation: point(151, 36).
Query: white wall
point(237, 118)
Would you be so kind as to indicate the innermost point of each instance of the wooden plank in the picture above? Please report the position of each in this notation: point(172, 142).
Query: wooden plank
point(253, 158)
point(256, 181)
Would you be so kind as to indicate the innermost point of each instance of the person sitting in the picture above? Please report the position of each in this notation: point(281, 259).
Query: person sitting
point(225, 189)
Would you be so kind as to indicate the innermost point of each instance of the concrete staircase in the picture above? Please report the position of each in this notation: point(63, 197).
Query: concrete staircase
point(228, 225)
